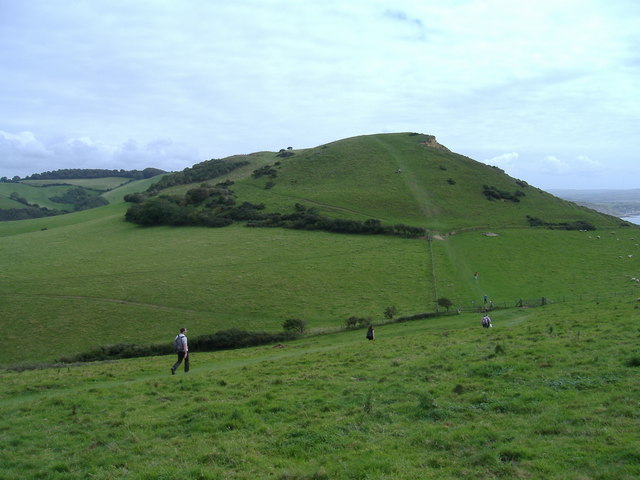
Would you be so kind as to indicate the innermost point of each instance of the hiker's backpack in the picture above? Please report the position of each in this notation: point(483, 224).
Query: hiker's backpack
point(177, 344)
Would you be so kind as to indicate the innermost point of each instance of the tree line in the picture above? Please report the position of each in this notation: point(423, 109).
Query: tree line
point(67, 173)
point(217, 207)
point(200, 172)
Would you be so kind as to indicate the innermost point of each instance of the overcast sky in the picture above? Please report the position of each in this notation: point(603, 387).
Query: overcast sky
point(548, 90)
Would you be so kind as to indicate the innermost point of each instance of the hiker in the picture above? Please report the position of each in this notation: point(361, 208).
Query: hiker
point(182, 349)
point(370, 334)
point(475, 276)
point(486, 322)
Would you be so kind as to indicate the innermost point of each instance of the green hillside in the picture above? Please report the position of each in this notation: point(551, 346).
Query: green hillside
point(549, 392)
point(56, 196)
point(90, 274)
point(435, 188)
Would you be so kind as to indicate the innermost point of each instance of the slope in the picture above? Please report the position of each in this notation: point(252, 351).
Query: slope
point(548, 393)
point(406, 178)
point(73, 282)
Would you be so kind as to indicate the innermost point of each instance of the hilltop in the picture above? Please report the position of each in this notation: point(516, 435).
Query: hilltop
point(408, 179)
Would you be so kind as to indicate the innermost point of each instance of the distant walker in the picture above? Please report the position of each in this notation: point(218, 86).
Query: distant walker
point(182, 349)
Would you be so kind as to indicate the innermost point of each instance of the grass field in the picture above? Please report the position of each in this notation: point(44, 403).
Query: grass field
point(75, 286)
point(77, 281)
point(548, 393)
point(35, 195)
point(551, 392)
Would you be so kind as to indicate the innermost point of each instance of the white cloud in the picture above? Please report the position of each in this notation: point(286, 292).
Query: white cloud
point(553, 164)
point(24, 153)
point(505, 160)
point(235, 77)
point(578, 165)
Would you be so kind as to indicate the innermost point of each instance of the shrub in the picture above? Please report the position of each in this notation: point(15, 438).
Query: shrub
point(294, 325)
point(135, 197)
point(353, 322)
point(445, 302)
point(266, 170)
point(493, 193)
point(633, 362)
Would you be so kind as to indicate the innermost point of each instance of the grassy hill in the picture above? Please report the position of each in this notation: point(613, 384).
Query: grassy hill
point(550, 392)
point(76, 281)
point(63, 195)
point(435, 188)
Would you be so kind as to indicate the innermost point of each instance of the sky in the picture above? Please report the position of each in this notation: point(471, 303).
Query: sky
point(548, 90)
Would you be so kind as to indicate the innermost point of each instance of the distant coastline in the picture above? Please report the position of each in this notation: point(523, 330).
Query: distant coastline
point(619, 203)
point(633, 219)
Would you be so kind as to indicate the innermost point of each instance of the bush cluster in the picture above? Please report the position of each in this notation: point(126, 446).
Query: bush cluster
point(10, 214)
point(576, 225)
point(354, 322)
point(307, 220)
point(294, 325)
point(493, 193)
point(222, 340)
point(81, 199)
point(200, 172)
point(265, 171)
point(216, 207)
point(284, 154)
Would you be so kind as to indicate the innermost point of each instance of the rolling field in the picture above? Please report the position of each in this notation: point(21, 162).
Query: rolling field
point(549, 392)
point(92, 279)
point(77, 281)
point(35, 195)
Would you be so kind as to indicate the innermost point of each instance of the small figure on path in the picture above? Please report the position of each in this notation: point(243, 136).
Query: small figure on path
point(370, 333)
point(182, 349)
point(486, 322)
point(475, 276)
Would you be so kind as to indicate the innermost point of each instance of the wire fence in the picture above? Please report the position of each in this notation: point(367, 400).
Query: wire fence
point(488, 305)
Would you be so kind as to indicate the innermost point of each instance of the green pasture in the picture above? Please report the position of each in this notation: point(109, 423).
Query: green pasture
point(89, 281)
point(549, 393)
point(86, 279)
point(34, 195)
point(39, 192)
point(533, 263)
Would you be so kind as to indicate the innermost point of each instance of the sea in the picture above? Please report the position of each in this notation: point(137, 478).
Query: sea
point(634, 219)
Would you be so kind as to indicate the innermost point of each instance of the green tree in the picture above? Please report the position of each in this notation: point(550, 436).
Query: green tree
point(294, 325)
point(445, 302)
point(390, 312)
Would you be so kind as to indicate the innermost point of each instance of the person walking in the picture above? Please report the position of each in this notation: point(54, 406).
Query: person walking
point(370, 333)
point(182, 349)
